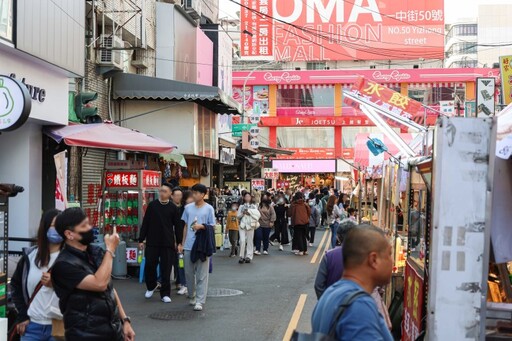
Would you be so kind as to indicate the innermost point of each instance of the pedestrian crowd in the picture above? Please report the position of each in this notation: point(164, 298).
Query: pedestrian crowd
point(62, 287)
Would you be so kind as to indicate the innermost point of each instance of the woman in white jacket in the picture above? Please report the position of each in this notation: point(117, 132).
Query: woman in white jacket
point(249, 216)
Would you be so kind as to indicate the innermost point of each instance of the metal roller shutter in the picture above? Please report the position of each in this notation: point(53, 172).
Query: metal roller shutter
point(92, 169)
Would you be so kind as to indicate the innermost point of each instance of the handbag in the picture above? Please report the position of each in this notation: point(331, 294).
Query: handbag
point(13, 332)
point(227, 244)
point(58, 329)
point(296, 336)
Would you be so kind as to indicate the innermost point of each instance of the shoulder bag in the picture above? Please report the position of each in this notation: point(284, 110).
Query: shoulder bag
point(332, 332)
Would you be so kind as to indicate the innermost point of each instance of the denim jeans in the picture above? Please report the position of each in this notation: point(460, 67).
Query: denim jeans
point(334, 233)
point(38, 332)
point(262, 235)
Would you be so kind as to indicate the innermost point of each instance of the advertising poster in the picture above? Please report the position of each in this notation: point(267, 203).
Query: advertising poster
point(300, 30)
point(413, 304)
point(485, 101)
point(258, 184)
point(260, 100)
point(244, 96)
point(506, 78)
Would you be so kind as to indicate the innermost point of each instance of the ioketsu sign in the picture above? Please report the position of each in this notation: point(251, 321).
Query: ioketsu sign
point(15, 103)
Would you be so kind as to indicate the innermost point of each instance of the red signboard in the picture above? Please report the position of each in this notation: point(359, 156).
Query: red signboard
point(256, 19)
point(309, 154)
point(426, 77)
point(386, 98)
point(413, 304)
point(132, 179)
point(314, 121)
point(300, 30)
point(258, 184)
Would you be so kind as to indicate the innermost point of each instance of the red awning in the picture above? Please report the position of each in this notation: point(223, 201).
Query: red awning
point(109, 136)
point(364, 158)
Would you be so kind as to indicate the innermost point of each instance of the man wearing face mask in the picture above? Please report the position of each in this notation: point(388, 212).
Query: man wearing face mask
point(81, 278)
point(280, 226)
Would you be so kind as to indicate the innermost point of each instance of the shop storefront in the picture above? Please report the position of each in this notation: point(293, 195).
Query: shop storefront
point(167, 110)
point(305, 111)
point(21, 151)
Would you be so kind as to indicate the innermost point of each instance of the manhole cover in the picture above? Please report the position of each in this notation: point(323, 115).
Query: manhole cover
point(221, 292)
point(173, 315)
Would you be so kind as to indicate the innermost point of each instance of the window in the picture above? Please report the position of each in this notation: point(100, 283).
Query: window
point(305, 97)
point(302, 137)
point(432, 96)
point(6, 19)
point(316, 65)
point(461, 48)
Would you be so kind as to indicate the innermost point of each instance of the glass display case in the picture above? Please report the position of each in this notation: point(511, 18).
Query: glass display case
point(126, 197)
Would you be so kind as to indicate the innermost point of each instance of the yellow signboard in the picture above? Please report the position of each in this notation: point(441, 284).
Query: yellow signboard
point(506, 78)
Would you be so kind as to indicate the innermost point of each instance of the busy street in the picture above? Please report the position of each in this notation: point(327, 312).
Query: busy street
point(274, 170)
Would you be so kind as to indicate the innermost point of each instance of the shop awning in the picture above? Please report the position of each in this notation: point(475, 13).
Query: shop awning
point(109, 136)
point(175, 157)
point(364, 158)
point(268, 151)
point(131, 86)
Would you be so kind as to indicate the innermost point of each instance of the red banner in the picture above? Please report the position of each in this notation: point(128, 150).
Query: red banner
point(314, 121)
point(342, 30)
point(257, 32)
point(386, 98)
point(413, 304)
point(133, 179)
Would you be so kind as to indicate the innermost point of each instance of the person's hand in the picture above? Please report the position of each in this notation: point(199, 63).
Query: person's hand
point(46, 279)
point(180, 248)
point(129, 334)
point(21, 327)
point(199, 227)
point(111, 241)
point(141, 246)
point(271, 224)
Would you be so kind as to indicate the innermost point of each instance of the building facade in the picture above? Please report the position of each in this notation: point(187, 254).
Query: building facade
point(44, 50)
point(461, 47)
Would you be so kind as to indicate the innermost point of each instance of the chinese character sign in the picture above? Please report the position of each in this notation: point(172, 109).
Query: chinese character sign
point(271, 173)
point(301, 30)
point(121, 179)
point(131, 255)
point(506, 78)
point(256, 27)
point(413, 304)
point(258, 184)
point(151, 179)
point(386, 98)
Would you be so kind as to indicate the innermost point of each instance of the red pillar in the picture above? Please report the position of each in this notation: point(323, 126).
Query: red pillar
point(338, 142)
point(272, 137)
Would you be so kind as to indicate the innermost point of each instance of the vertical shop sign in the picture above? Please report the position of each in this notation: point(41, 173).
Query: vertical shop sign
point(271, 173)
point(257, 31)
point(485, 100)
point(506, 78)
point(260, 100)
point(413, 304)
point(258, 184)
point(244, 96)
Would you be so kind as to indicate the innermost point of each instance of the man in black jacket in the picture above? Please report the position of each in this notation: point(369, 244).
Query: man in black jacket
point(160, 230)
point(81, 277)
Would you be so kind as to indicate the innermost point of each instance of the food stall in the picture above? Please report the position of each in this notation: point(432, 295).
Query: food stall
point(125, 199)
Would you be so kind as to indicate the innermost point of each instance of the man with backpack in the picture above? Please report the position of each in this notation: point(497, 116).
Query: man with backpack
point(346, 311)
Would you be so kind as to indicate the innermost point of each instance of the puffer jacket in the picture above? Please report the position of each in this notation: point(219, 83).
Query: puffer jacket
point(300, 213)
point(88, 315)
point(268, 216)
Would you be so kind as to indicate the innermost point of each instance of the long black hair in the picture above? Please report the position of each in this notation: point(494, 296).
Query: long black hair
point(43, 245)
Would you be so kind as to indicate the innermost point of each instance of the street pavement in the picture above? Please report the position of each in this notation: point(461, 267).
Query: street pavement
point(278, 296)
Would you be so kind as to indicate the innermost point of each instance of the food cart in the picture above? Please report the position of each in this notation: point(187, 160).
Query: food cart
point(125, 199)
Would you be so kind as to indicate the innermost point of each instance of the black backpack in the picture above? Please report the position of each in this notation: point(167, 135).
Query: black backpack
point(332, 332)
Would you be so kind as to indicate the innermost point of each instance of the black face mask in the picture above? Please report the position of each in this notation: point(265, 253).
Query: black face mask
point(87, 237)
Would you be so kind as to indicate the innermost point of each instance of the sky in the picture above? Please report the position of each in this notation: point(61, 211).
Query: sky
point(454, 9)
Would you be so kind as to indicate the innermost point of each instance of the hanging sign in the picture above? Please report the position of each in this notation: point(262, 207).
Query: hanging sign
point(254, 132)
point(258, 184)
point(485, 101)
point(254, 143)
point(15, 103)
point(506, 78)
point(271, 173)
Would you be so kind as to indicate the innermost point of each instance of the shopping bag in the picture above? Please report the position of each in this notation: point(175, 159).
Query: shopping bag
point(227, 244)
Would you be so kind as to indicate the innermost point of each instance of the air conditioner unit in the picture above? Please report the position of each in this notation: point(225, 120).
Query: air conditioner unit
point(140, 63)
point(107, 53)
point(193, 8)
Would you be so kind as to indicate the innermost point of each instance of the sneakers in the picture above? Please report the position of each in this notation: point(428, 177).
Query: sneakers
point(257, 253)
point(198, 307)
point(310, 244)
point(247, 260)
point(298, 253)
point(280, 247)
point(192, 302)
point(183, 291)
point(271, 242)
point(149, 293)
point(265, 252)
point(295, 251)
point(241, 261)
point(166, 299)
